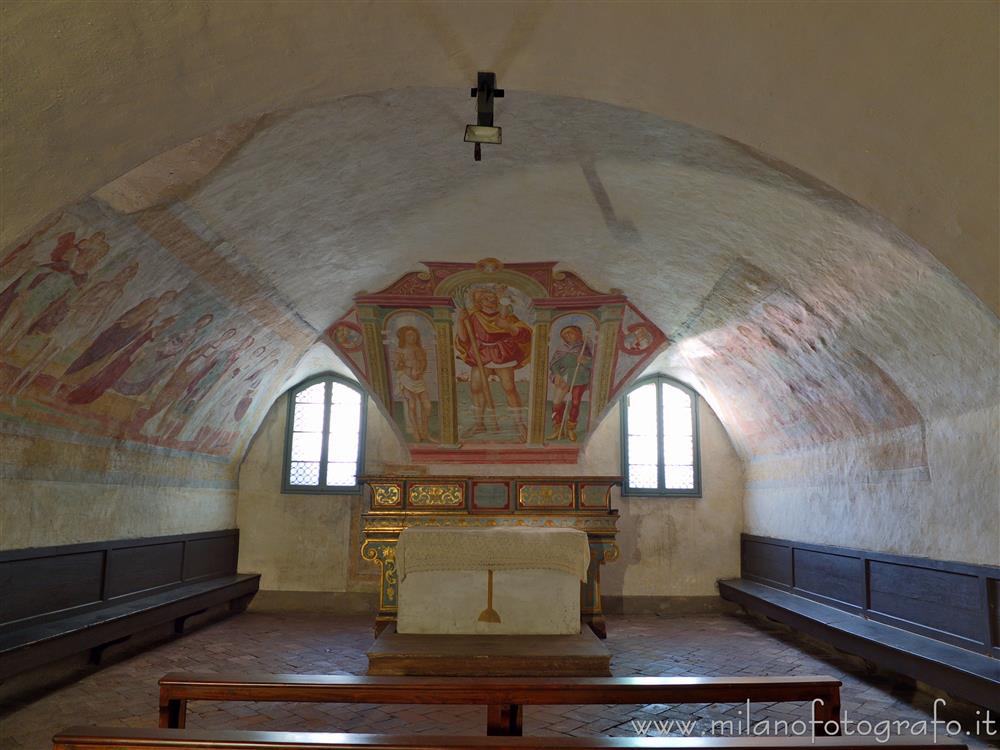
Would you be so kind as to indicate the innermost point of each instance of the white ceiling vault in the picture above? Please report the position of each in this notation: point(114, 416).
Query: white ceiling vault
point(803, 318)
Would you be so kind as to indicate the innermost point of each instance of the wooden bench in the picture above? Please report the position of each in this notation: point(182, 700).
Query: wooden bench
point(937, 622)
point(94, 738)
point(505, 696)
point(59, 601)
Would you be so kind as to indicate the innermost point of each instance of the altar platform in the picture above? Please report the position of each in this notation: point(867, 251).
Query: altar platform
point(579, 655)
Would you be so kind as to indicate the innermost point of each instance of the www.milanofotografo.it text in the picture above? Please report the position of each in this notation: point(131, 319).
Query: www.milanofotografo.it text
point(881, 730)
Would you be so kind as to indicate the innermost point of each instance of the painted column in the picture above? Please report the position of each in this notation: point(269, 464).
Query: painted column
point(610, 317)
point(537, 399)
point(371, 329)
point(447, 399)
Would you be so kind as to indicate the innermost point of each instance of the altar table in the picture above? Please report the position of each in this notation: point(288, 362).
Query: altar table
point(529, 577)
point(400, 502)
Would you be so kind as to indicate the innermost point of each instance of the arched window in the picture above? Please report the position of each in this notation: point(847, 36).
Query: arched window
point(660, 451)
point(325, 436)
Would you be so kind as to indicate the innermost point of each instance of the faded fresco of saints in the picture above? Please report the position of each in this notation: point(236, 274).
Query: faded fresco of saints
point(155, 420)
point(494, 343)
point(115, 350)
point(46, 290)
point(155, 365)
point(82, 318)
point(93, 338)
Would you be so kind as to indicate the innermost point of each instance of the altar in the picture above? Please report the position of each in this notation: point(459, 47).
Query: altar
point(499, 581)
point(397, 503)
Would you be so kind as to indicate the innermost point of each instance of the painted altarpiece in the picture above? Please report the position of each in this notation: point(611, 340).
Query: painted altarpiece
point(484, 361)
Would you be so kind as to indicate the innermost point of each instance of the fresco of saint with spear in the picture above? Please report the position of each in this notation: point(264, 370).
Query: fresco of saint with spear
point(570, 368)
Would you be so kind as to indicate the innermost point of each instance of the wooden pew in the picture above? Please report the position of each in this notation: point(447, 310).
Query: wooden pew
point(936, 621)
point(505, 696)
point(59, 601)
point(94, 738)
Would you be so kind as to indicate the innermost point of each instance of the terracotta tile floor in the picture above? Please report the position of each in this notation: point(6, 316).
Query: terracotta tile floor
point(125, 694)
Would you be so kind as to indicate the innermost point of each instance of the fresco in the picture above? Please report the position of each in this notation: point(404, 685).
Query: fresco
point(493, 338)
point(485, 361)
point(411, 347)
point(572, 347)
point(102, 331)
point(782, 355)
point(636, 337)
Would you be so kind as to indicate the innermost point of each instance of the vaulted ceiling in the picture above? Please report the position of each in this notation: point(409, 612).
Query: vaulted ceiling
point(894, 105)
point(803, 316)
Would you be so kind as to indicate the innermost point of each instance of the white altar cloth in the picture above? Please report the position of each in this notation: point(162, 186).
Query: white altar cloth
point(443, 576)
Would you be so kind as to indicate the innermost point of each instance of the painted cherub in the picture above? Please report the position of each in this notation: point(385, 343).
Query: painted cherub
point(409, 365)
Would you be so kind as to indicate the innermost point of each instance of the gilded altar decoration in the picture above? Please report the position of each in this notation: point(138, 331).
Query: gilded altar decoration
point(494, 363)
point(448, 495)
point(547, 495)
point(387, 495)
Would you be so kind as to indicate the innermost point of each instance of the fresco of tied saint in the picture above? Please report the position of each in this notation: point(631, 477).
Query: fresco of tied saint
point(102, 332)
point(413, 356)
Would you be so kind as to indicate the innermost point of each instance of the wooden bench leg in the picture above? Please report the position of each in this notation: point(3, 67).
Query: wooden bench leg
point(241, 603)
point(181, 621)
point(173, 713)
point(826, 715)
point(97, 652)
point(505, 720)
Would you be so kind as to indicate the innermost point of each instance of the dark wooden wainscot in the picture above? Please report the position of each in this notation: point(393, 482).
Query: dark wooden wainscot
point(935, 621)
point(58, 601)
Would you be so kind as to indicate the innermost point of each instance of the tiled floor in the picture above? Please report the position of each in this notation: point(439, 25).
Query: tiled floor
point(125, 694)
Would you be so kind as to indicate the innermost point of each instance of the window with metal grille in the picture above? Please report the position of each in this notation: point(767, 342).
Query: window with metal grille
point(660, 452)
point(325, 436)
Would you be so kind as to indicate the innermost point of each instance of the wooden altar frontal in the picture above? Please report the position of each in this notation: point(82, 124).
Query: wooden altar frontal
point(399, 502)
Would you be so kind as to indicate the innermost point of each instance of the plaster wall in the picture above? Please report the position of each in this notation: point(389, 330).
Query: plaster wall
point(669, 546)
point(71, 489)
point(949, 511)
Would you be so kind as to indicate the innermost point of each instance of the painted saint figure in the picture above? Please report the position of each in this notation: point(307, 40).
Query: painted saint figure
point(81, 320)
point(492, 340)
point(156, 362)
point(570, 368)
point(130, 325)
point(198, 389)
point(189, 368)
point(216, 436)
point(125, 356)
point(409, 366)
point(23, 257)
point(44, 292)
